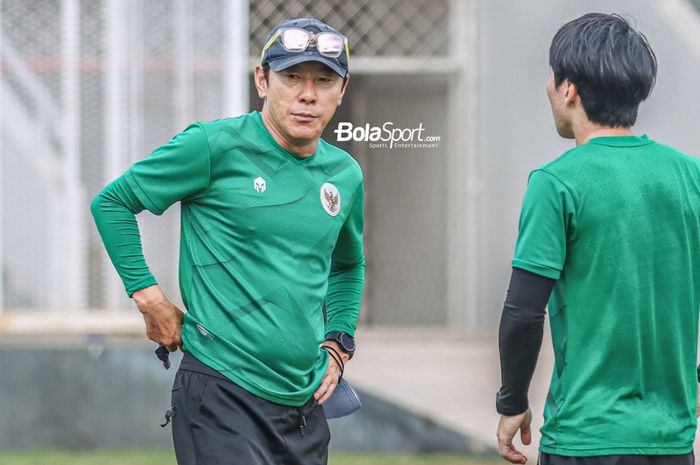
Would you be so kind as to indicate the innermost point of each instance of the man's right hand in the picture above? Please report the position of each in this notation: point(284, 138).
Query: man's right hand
point(508, 426)
point(163, 319)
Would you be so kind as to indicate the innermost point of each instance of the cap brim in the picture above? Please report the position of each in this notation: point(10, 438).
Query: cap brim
point(283, 63)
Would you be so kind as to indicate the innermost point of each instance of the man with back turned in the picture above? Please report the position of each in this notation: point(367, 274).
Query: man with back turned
point(609, 236)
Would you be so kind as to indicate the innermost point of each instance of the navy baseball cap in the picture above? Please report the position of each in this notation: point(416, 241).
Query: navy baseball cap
point(278, 58)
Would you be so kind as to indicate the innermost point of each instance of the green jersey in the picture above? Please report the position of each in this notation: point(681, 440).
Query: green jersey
point(267, 239)
point(616, 222)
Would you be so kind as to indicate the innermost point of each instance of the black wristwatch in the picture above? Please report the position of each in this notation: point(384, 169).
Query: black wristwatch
point(344, 340)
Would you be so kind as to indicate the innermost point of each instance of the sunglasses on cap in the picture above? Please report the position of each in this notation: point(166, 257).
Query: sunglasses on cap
point(297, 40)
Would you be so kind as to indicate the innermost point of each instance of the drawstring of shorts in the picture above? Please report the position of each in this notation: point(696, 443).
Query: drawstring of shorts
point(302, 422)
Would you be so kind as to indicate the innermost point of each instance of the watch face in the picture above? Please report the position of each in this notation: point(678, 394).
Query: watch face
point(347, 342)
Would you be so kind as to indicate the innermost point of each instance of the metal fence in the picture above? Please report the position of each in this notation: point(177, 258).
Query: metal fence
point(384, 28)
point(89, 87)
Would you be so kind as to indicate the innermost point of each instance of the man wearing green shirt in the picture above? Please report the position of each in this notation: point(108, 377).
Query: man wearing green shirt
point(613, 228)
point(271, 232)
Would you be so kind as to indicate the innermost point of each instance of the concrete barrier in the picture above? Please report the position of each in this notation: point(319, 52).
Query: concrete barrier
point(95, 393)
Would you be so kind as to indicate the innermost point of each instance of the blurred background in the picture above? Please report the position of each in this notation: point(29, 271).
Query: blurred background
point(88, 87)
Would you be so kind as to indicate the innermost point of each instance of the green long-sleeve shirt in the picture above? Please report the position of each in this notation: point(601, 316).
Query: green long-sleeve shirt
point(266, 239)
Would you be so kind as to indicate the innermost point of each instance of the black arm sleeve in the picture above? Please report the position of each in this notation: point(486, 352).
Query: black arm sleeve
point(520, 338)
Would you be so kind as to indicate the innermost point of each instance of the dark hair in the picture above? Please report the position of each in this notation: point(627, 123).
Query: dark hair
point(266, 71)
point(611, 64)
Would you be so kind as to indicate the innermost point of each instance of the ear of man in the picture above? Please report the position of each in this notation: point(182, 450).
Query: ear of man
point(346, 79)
point(260, 81)
point(571, 96)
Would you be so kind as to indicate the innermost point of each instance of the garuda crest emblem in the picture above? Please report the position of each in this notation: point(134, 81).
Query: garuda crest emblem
point(330, 199)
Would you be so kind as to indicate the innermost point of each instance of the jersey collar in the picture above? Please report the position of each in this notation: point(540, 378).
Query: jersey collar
point(621, 141)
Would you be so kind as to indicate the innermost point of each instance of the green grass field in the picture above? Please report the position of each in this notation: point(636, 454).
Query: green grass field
point(159, 457)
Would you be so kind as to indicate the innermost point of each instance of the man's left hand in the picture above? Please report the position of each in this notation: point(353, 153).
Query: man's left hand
point(332, 376)
point(508, 426)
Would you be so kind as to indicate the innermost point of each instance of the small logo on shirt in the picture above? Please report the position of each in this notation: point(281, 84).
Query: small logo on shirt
point(204, 332)
point(330, 199)
point(259, 184)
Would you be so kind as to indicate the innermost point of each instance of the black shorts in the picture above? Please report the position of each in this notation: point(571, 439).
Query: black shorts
point(685, 459)
point(216, 422)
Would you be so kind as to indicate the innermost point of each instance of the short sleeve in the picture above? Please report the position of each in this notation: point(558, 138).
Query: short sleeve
point(547, 220)
point(178, 170)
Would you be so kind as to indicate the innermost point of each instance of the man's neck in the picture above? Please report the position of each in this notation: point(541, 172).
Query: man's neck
point(592, 130)
point(302, 149)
